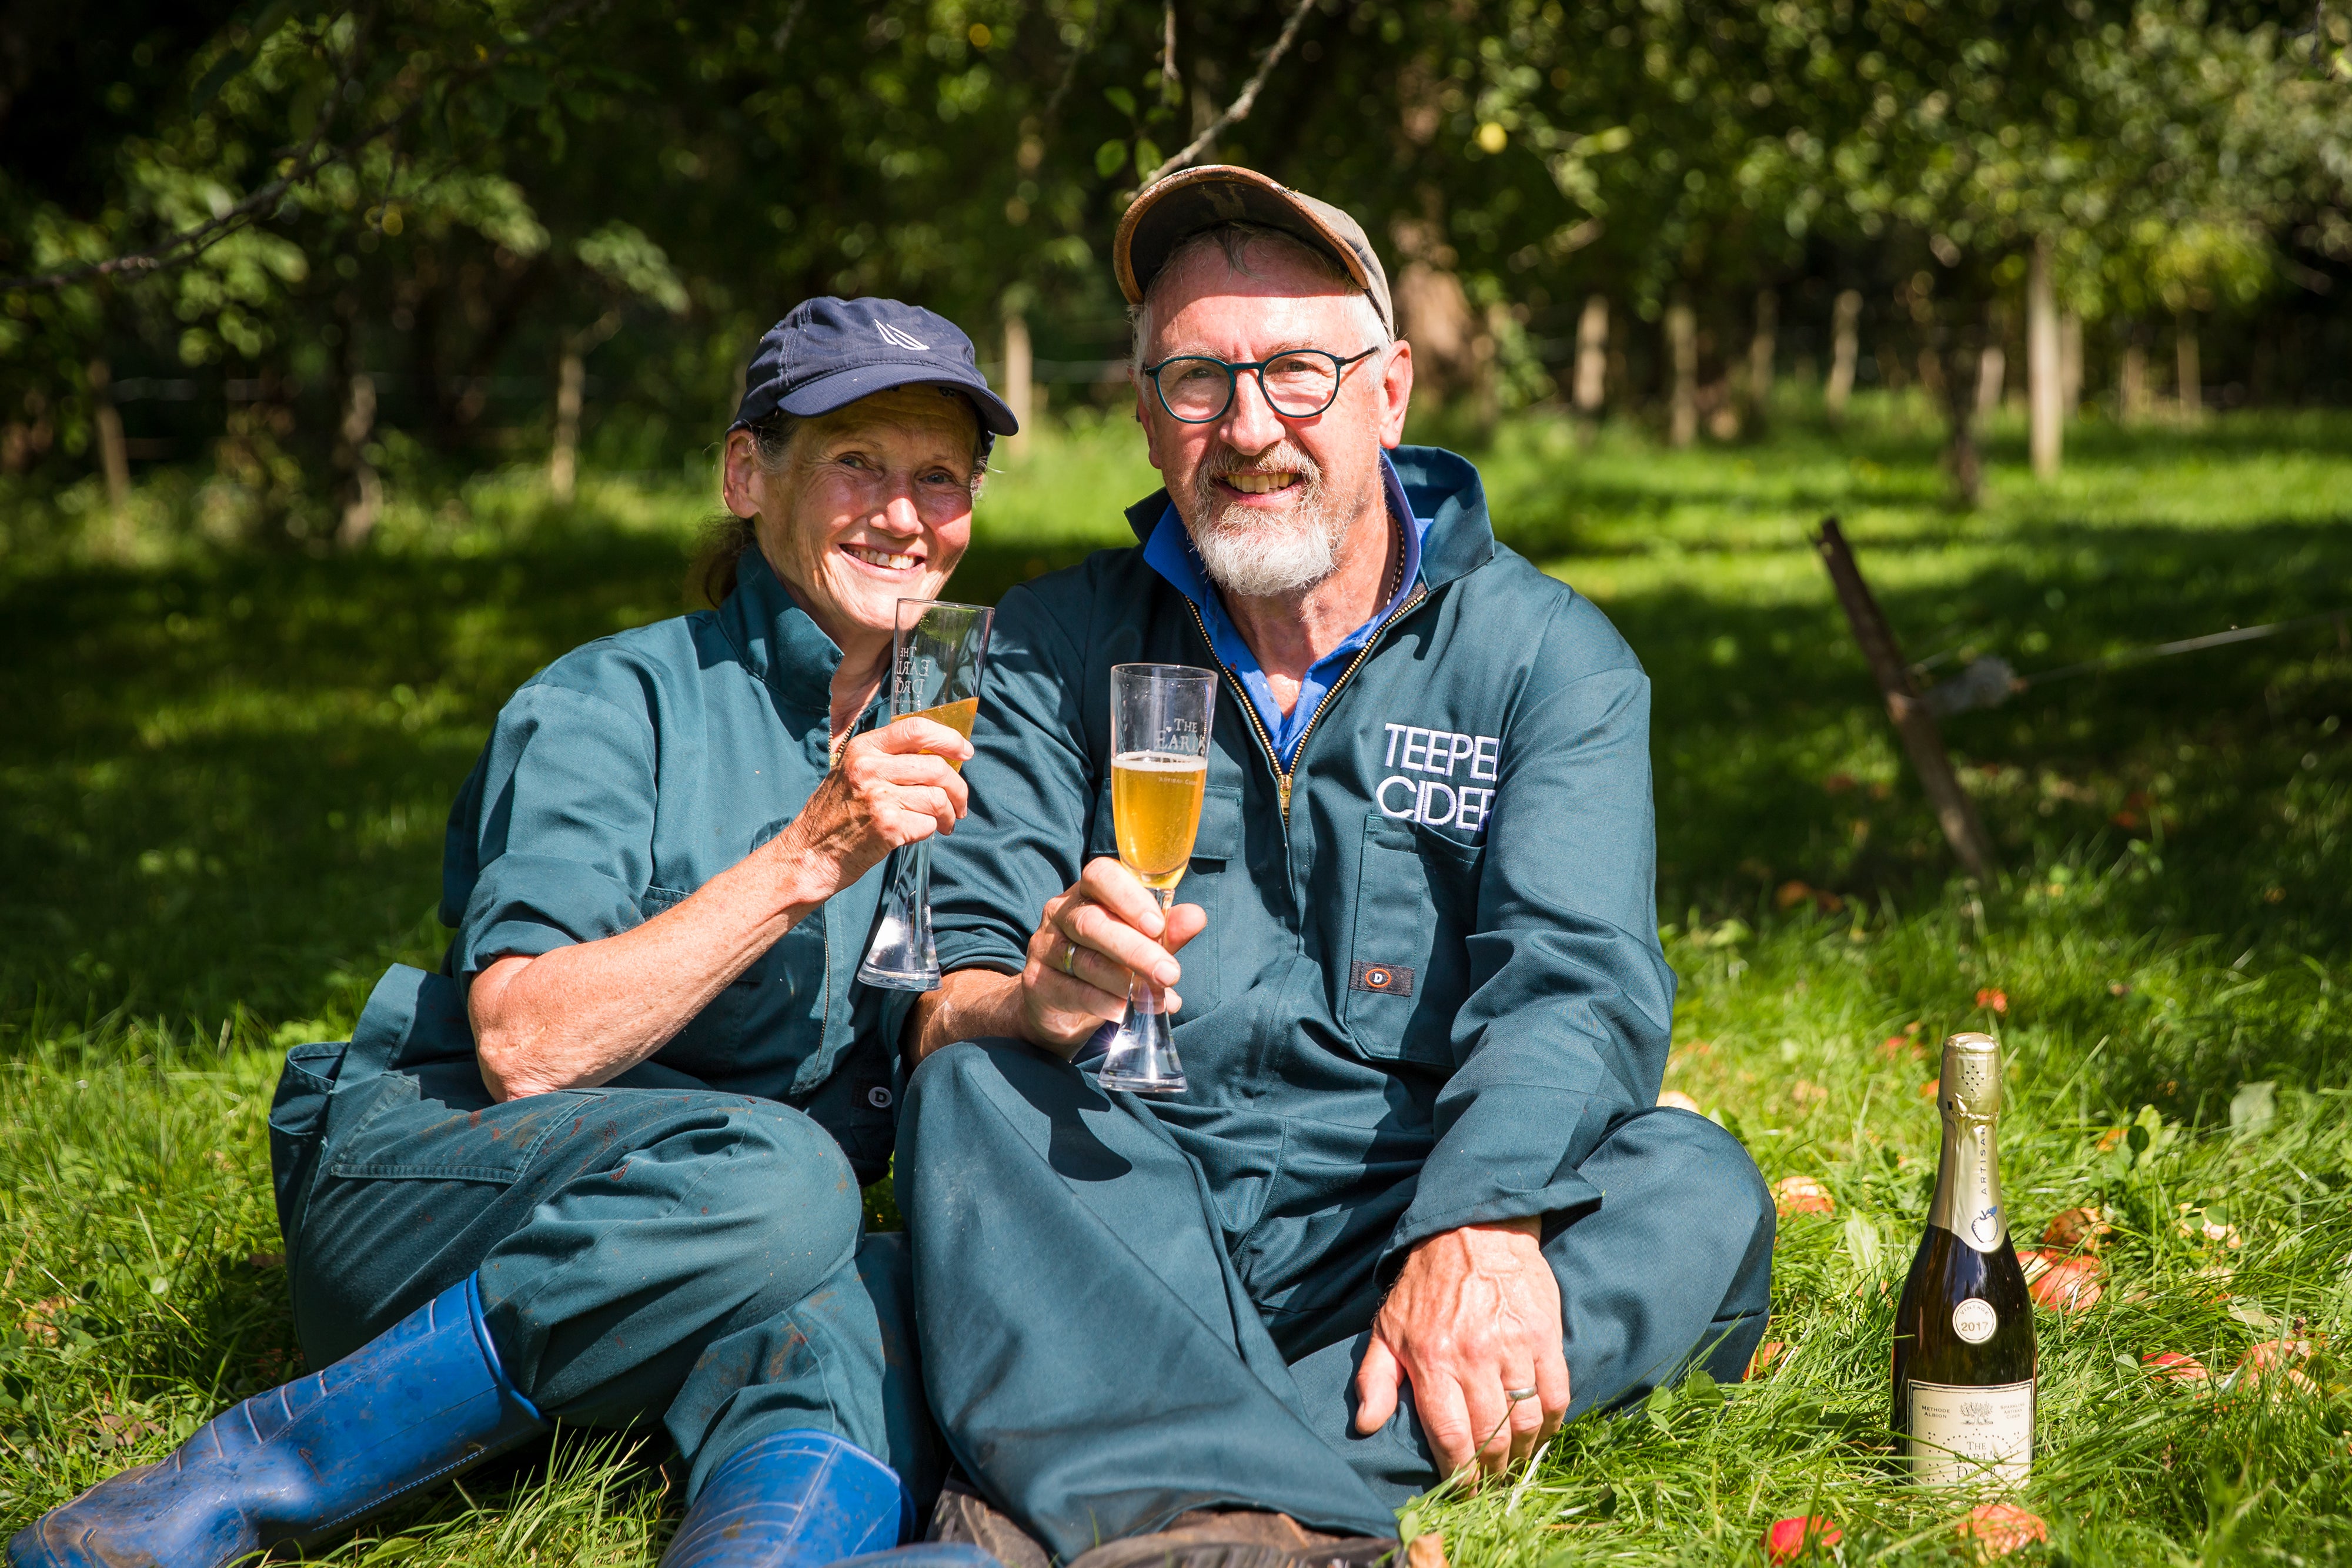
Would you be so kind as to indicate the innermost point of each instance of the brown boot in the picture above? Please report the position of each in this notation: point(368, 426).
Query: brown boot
point(963, 1515)
point(1239, 1538)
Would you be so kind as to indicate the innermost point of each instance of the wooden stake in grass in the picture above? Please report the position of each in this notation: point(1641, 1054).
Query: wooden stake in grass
point(2044, 376)
point(1954, 812)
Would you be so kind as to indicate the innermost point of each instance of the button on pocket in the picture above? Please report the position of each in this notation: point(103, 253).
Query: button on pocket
point(1408, 968)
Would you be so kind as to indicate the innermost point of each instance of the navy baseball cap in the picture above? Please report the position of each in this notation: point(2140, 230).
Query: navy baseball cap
point(829, 352)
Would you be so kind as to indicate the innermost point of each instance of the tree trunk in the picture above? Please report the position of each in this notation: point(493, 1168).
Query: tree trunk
point(2192, 375)
point(2131, 380)
point(1845, 350)
point(364, 498)
point(1682, 349)
point(1433, 311)
point(1486, 372)
point(1931, 374)
point(2070, 365)
point(113, 452)
point(1958, 376)
point(563, 461)
point(1992, 378)
point(1019, 378)
point(1592, 356)
point(570, 396)
point(2044, 376)
point(1761, 348)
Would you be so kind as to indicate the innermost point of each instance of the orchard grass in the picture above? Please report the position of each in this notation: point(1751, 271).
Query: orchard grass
point(227, 772)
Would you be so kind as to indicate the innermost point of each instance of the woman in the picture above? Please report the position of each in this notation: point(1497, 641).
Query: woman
point(604, 1168)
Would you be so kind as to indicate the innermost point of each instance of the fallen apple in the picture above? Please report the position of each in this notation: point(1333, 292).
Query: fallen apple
point(2000, 1528)
point(1801, 1195)
point(2061, 1284)
point(2078, 1229)
point(2184, 1371)
point(1788, 1538)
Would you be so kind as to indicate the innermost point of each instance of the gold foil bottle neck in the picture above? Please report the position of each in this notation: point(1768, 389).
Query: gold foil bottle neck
point(1967, 1176)
point(1972, 1075)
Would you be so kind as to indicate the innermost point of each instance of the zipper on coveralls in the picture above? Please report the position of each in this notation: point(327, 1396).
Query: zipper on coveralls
point(1282, 776)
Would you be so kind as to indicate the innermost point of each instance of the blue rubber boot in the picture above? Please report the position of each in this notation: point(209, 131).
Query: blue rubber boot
point(924, 1554)
point(419, 1403)
point(802, 1498)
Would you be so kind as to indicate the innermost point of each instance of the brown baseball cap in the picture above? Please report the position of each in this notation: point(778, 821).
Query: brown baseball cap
point(1168, 212)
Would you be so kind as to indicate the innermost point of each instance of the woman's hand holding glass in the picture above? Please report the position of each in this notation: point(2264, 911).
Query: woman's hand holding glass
point(1093, 940)
point(894, 785)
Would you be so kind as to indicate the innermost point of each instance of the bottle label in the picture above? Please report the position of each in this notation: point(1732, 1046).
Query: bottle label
point(1974, 1320)
point(1965, 1435)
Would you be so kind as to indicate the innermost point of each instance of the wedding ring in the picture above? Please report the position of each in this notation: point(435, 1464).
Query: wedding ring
point(1069, 957)
point(1516, 1395)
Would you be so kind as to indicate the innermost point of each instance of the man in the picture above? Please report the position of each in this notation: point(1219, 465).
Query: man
point(1418, 1203)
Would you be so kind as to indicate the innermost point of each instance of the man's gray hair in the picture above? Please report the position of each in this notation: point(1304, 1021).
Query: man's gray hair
point(1235, 240)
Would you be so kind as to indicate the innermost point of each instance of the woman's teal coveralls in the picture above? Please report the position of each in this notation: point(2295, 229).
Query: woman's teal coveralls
point(682, 1244)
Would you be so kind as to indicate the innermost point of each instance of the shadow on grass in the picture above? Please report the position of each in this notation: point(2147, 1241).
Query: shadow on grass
point(228, 783)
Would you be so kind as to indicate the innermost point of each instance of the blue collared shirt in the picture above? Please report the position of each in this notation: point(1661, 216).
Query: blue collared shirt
point(1169, 553)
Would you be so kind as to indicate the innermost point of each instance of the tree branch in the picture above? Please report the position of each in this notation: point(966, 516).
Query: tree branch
point(1245, 100)
point(783, 35)
point(189, 244)
point(1078, 51)
point(1168, 75)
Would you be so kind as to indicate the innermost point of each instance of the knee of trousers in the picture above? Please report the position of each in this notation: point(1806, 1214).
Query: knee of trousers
point(782, 1190)
point(956, 1079)
point(1717, 1189)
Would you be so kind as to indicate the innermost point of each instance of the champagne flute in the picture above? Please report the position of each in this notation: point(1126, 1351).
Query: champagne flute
point(937, 656)
point(1159, 722)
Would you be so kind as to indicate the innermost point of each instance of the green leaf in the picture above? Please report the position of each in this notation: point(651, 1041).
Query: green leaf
point(1121, 100)
point(2253, 1108)
point(1701, 1389)
point(265, 26)
point(1147, 156)
point(1108, 157)
point(525, 85)
point(1862, 1244)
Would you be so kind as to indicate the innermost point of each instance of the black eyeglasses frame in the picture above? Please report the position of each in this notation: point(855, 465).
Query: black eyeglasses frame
point(1234, 375)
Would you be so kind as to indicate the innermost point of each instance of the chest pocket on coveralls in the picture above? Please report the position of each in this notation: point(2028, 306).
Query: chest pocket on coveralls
point(1217, 847)
point(760, 1024)
point(1416, 895)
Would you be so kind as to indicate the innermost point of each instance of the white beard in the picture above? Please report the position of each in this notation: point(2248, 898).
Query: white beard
point(1254, 556)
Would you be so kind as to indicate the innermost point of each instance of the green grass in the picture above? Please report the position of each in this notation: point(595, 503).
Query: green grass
point(227, 775)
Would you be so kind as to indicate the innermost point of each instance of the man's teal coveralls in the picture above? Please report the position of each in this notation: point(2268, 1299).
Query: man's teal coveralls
point(681, 1246)
point(1430, 994)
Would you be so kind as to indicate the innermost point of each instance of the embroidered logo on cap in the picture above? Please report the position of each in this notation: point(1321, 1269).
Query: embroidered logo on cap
point(1388, 980)
point(897, 339)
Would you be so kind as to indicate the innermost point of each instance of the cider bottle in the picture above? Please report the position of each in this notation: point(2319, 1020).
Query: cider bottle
point(1964, 1350)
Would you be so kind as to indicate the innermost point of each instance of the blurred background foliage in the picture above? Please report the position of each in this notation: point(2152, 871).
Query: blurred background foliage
point(295, 251)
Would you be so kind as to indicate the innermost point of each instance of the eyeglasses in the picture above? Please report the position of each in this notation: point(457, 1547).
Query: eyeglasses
point(1298, 384)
